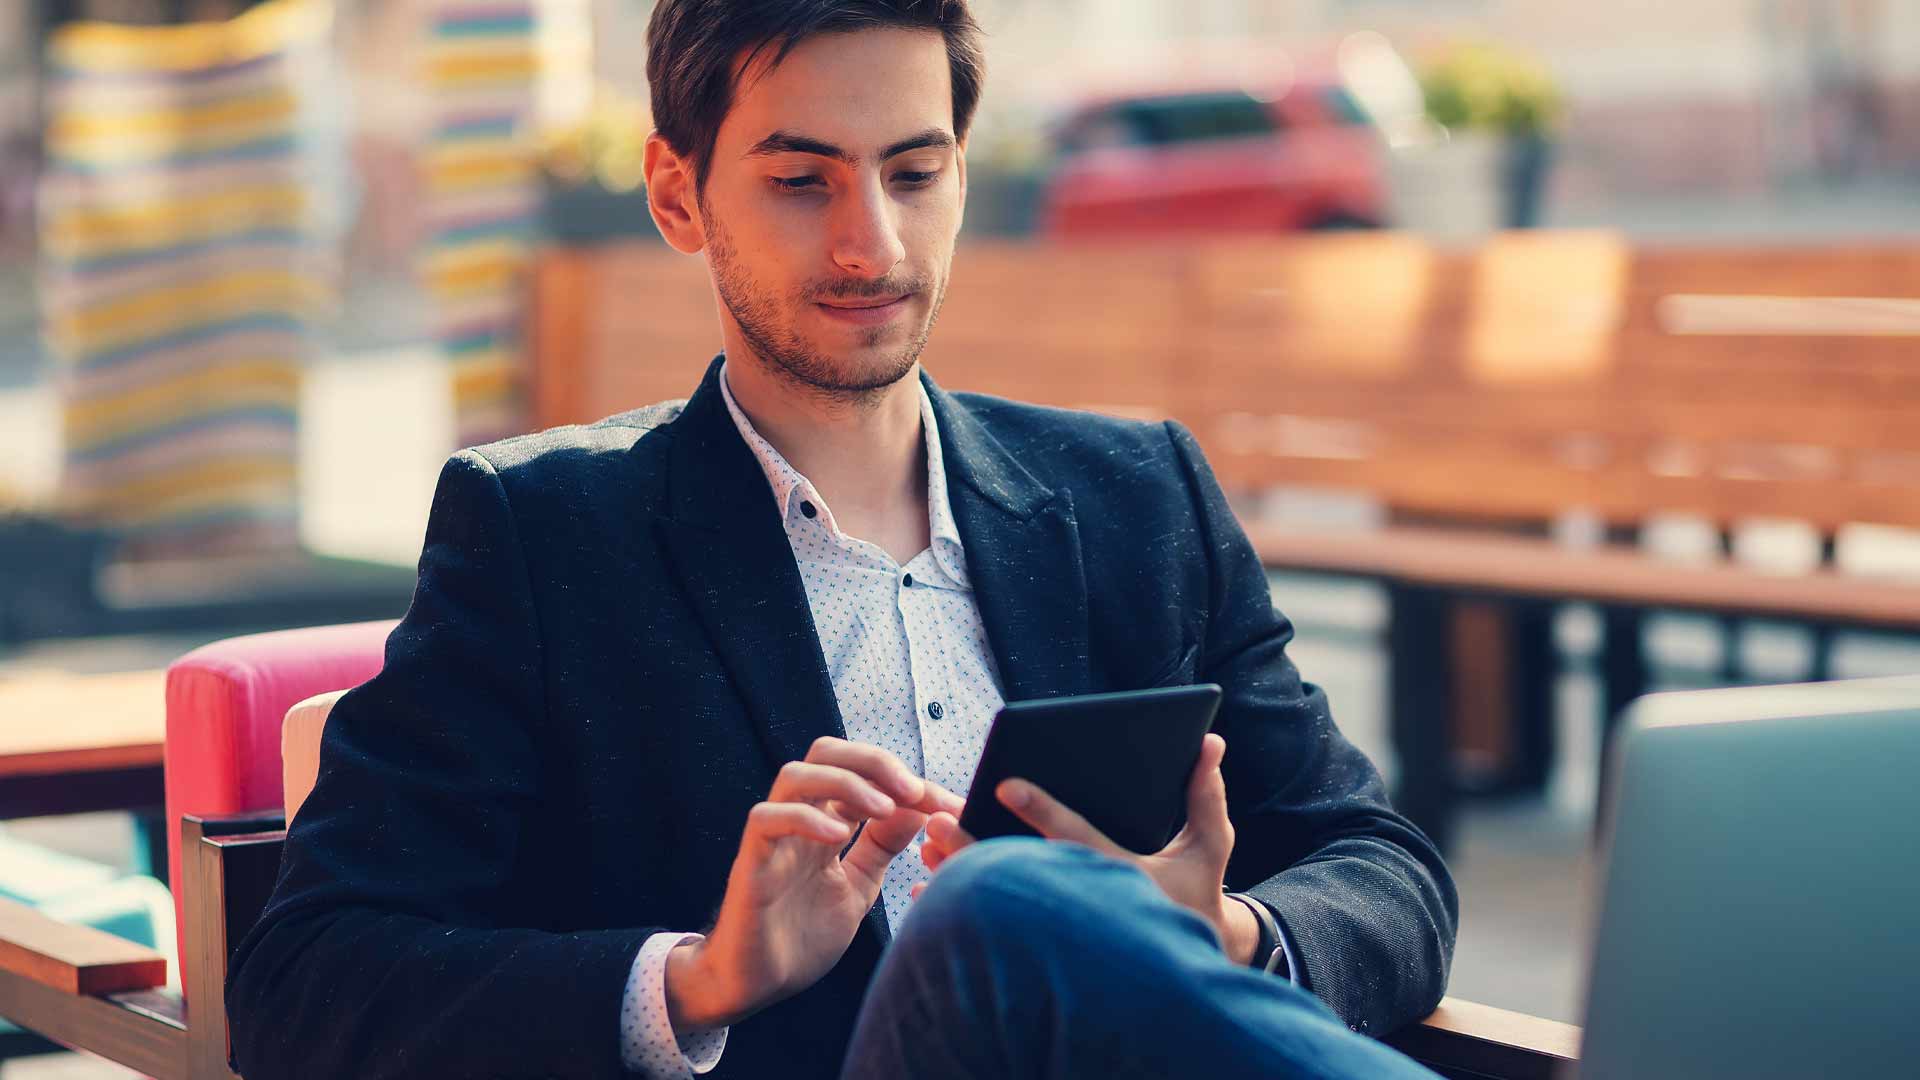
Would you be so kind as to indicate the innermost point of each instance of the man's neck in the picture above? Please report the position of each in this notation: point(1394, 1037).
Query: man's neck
point(866, 458)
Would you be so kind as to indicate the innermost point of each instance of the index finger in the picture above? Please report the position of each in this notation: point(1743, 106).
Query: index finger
point(882, 769)
point(944, 801)
point(1052, 818)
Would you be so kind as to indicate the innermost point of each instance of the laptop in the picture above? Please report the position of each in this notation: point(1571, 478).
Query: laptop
point(1760, 912)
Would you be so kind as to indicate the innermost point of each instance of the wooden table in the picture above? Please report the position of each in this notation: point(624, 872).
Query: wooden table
point(72, 744)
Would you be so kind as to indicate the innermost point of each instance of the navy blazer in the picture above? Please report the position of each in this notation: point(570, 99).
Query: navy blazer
point(609, 654)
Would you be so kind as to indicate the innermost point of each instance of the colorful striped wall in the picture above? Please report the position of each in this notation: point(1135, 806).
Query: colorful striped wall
point(181, 275)
point(480, 68)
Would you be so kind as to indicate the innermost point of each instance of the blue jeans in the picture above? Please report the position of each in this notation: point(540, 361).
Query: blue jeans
point(1028, 959)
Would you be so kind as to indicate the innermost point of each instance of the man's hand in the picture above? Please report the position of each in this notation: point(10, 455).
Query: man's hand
point(1190, 870)
point(793, 901)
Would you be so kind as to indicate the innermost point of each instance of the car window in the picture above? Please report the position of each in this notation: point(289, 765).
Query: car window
point(1202, 118)
point(1101, 130)
point(1343, 107)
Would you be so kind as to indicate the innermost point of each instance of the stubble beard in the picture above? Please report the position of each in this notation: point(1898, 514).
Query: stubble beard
point(790, 358)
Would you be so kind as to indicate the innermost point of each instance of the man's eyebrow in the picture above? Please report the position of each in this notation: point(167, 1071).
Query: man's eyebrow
point(932, 137)
point(786, 142)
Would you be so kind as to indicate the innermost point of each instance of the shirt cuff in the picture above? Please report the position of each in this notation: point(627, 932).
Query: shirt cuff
point(648, 1043)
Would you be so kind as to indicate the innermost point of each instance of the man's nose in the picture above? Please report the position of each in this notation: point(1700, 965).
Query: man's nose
point(866, 232)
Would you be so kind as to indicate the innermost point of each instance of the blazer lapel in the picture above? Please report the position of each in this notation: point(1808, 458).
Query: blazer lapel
point(1023, 555)
point(732, 555)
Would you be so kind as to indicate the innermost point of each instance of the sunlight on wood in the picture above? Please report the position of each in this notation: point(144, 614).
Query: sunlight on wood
point(1799, 315)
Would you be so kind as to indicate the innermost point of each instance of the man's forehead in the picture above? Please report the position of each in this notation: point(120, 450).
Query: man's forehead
point(862, 90)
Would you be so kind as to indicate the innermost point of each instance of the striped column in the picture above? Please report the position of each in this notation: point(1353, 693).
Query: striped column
point(481, 65)
point(180, 276)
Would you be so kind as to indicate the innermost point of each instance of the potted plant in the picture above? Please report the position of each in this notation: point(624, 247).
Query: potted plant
point(1501, 94)
point(593, 174)
point(1468, 136)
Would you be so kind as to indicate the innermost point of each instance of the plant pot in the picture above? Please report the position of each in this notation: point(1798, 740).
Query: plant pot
point(1466, 188)
point(1449, 190)
point(588, 214)
point(1529, 161)
point(1003, 202)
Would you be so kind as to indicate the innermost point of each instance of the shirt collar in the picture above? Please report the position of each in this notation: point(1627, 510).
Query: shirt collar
point(787, 482)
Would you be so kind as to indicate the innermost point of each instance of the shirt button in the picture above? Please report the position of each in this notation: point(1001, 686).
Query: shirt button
point(935, 710)
point(907, 581)
point(806, 508)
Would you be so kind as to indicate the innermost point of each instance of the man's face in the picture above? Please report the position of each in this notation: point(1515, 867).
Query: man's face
point(832, 204)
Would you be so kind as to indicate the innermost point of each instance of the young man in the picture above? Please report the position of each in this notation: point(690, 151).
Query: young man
point(723, 663)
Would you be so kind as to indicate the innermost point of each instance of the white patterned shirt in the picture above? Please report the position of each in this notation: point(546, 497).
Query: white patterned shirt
point(907, 653)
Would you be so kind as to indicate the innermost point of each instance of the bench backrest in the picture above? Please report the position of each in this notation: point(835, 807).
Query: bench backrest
point(1542, 373)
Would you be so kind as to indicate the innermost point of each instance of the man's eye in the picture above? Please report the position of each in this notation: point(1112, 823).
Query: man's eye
point(916, 179)
point(795, 183)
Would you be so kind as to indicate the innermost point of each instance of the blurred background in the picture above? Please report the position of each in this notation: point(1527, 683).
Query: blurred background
point(1628, 288)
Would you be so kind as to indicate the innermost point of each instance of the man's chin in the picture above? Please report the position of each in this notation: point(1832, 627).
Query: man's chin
point(858, 375)
point(845, 372)
point(874, 361)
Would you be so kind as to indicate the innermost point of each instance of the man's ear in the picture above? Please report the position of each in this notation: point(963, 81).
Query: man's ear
point(672, 197)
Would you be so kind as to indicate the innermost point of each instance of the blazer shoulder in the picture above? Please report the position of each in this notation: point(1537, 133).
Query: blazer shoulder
point(1073, 446)
point(631, 445)
point(561, 446)
point(1024, 421)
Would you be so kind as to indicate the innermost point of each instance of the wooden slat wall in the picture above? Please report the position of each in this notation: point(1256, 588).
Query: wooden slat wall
point(1537, 375)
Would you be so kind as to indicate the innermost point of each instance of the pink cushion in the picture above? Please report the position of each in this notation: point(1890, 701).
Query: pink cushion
point(225, 702)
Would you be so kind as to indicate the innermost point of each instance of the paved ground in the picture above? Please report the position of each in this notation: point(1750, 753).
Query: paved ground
point(1876, 211)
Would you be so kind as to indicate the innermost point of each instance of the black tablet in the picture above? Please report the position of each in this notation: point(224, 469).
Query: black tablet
point(1120, 760)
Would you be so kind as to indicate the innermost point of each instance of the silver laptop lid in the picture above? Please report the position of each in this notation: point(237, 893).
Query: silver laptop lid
point(1760, 913)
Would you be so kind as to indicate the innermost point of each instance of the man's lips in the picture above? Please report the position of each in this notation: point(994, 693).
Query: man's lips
point(865, 311)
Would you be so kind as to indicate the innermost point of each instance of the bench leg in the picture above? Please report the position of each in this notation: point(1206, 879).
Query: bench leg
point(1820, 663)
point(1732, 671)
point(1419, 710)
point(1532, 666)
point(1624, 677)
point(1501, 661)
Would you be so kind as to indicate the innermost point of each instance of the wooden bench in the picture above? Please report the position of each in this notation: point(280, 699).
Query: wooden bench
point(1491, 392)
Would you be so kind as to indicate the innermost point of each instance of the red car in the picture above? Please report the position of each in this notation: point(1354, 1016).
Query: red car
point(1214, 160)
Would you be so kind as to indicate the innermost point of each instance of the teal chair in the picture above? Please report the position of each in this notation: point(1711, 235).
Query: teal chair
point(81, 892)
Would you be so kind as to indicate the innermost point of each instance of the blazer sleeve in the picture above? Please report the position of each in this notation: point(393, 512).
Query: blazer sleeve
point(394, 943)
point(1362, 893)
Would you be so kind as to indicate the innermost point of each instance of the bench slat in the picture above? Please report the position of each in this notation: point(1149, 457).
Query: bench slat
point(1522, 566)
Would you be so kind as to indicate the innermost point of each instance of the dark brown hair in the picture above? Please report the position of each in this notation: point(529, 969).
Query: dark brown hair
point(693, 46)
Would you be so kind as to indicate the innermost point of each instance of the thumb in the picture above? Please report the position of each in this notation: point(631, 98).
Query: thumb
point(879, 842)
point(1207, 823)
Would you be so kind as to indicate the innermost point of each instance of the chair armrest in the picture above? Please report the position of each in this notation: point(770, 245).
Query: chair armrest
point(1466, 1039)
point(73, 959)
point(250, 821)
point(89, 990)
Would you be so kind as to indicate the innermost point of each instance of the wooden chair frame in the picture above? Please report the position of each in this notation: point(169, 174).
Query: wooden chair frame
point(93, 992)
